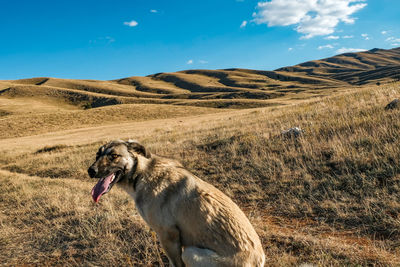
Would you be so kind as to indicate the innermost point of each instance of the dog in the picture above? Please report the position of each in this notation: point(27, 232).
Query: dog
point(196, 223)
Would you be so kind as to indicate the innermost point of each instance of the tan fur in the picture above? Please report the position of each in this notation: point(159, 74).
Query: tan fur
point(196, 223)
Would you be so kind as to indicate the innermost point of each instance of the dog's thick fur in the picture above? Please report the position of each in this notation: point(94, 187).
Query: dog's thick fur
point(196, 223)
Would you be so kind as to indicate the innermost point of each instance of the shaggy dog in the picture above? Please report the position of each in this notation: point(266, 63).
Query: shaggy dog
point(197, 224)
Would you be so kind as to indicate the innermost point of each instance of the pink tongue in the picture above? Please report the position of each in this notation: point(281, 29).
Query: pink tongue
point(101, 187)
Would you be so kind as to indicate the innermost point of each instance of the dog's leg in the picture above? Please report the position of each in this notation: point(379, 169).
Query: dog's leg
point(200, 257)
point(170, 241)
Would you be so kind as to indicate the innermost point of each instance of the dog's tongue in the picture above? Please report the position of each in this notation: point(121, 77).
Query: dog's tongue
point(101, 187)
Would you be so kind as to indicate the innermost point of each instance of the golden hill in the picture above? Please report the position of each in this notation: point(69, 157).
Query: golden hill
point(330, 198)
point(229, 88)
point(376, 65)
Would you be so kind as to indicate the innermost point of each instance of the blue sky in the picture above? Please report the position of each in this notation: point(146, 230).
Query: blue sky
point(101, 39)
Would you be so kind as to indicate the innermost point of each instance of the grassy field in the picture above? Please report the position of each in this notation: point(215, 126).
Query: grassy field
point(45, 120)
point(331, 197)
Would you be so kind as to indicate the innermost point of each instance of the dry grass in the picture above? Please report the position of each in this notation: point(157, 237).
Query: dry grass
point(230, 88)
point(32, 122)
point(331, 197)
point(218, 89)
point(54, 223)
point(26, 106)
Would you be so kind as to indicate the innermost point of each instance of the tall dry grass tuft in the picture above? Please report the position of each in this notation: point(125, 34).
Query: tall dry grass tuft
point(330, 197)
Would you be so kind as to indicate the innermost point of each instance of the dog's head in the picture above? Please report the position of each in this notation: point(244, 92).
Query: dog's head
point(115, 162)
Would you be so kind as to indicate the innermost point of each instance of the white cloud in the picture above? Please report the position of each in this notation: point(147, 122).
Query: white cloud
point(325, 47)
point(349, 50)
point(311, 17)
point(190, 61)
point(203, 61)
point(393, 40)
point(348, 36)
point(365, 36)
point(153, 11)
point(384, 32)
point(244, 23)
point(290, 48)
point(132, 23)
point(331, 37)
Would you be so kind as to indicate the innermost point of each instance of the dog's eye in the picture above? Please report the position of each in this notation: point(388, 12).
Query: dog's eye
point(114, 156)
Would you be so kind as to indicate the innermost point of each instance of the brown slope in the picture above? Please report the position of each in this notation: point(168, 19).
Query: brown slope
point(232, 88)
point(353, 68)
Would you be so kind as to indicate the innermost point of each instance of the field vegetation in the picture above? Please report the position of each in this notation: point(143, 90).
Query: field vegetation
point(329, 197)
point(31, 123)
point(227, 88)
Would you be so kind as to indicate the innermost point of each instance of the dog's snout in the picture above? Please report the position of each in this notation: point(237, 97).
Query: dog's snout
point(92, 171)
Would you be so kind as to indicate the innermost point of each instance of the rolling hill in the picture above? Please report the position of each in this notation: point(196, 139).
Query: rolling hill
point(328, 198)
point(228, 88)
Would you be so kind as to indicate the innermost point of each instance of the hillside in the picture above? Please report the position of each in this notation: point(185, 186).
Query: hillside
point(229, 88)
point(330, 198)
point(376, 65)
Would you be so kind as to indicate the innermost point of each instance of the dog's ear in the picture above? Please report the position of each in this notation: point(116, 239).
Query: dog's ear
point(138, 148)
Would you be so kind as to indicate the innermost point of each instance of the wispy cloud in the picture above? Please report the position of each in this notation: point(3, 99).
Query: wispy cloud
point(102, 40)
point(201, 61)
point(290, 48)
point(348, 36)
point(132, 23)
point(311, 17)
point(349, 50)
point(393, 41)
point(244, 23)
point(384, 32)
point(328, 46)
point(365, 36)
point(153, 10)
point(331, 37)
point(110, 39)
